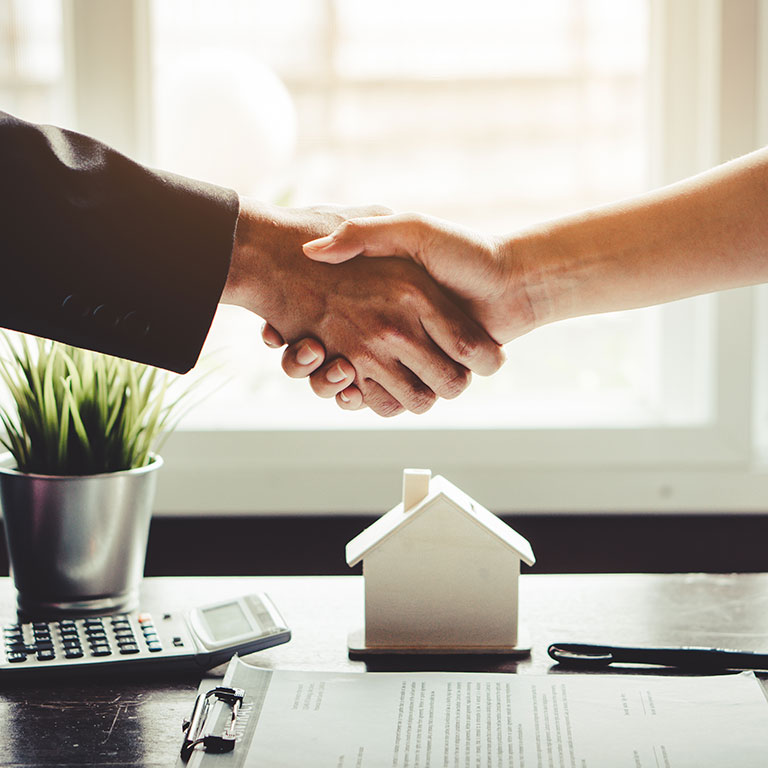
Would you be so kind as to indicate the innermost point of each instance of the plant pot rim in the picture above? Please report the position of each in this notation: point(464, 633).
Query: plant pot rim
point(7, 468)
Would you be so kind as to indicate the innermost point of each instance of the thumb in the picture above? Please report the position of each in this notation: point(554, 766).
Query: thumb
point(372, 236)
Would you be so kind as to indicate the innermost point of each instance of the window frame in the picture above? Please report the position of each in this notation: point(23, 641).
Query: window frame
point(711, 63)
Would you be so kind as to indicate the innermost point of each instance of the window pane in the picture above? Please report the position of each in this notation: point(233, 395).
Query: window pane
point(31, 59)
point(496, 118)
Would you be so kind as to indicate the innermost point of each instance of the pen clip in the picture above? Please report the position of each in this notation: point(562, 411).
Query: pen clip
point(581, 654)
point(193, 727)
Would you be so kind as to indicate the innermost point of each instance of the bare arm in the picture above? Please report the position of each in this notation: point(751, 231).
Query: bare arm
point(703, 234)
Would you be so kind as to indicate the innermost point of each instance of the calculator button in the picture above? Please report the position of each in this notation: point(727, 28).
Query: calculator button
point(44, 645)
point(73, 643)
point(144, 618)
point(126, 649)
point(15, 658)
point(151, 637)
point(46, 655)
point(124, 633)
point(15, 647)
point(119, 625)
point(101, 651)
point(73, 653)
point(178, 642)
point(95, 630)
point(39, 625)
point(154, 647)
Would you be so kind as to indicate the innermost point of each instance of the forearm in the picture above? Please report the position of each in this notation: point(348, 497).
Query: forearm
point(101, 252)
point(704, 234)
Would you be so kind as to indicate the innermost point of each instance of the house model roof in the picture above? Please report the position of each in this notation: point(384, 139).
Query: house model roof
point(429, 492)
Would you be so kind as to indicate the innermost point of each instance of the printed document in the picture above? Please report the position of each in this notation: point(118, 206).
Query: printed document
point(471, 720)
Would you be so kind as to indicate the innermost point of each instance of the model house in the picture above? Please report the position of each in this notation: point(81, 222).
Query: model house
point(441, 573)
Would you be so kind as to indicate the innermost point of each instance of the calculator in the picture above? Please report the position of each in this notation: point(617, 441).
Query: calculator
point(198, 639)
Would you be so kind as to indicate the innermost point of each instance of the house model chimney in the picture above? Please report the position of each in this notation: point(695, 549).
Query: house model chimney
point(415, 486)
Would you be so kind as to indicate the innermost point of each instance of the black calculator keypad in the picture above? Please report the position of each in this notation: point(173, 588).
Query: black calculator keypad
point(97, 637)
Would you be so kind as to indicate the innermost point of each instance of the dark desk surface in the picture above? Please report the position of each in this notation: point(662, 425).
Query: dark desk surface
point(137, 723)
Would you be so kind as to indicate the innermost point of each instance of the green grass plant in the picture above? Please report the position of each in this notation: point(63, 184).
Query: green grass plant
point(77, 412)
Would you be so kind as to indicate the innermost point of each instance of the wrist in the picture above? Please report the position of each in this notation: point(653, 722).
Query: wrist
point(529, 272)
point(550, 267)
point(252, 279)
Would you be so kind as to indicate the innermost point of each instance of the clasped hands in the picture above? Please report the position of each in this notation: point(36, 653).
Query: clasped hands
point(392, 333)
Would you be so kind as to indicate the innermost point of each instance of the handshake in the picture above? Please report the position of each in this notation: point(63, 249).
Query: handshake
point(393, 333)
point(394, 311)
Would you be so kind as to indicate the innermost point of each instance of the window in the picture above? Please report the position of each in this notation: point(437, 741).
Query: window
point(497, 118)
point(32, 59)
point(543, 112)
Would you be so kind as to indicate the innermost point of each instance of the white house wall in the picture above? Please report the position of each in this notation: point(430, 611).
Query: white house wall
point(441, 580)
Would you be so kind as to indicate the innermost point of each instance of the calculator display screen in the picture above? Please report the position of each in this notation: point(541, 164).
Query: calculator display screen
point(226, 621)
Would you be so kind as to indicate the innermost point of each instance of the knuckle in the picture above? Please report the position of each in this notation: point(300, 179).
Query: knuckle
point(410, 292)
point(468, 347)
point(349, 229)
point(380, 210)
point(392, 409)
point(386, 406)
point(411, 218)
point(422, 401)
point(392, 336)
point(364, 359)
point(453, 385)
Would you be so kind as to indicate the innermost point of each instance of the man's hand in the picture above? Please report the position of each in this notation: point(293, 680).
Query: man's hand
point(407, 341)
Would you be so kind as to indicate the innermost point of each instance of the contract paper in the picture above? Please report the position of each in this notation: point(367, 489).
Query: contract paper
point(468, 720)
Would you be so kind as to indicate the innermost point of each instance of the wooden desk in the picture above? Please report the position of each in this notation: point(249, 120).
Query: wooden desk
point(137, 722)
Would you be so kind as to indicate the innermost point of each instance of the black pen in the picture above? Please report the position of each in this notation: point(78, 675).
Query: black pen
point(596, 656)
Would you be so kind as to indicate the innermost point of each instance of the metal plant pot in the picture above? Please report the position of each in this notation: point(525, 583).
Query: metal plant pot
point(77, 544)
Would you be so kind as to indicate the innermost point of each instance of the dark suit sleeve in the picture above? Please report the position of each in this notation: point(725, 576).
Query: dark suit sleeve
point(101, 252)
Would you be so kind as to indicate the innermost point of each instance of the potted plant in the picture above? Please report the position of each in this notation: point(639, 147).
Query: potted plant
point(77, 484)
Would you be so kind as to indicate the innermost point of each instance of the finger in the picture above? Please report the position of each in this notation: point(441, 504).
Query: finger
point(397, 235)
point(378, 399)
point(302, 358)
point(460, 337)
point(332, 378)
point(432, 366)
point(271, 337)
point(405, 387)
point(350, 399)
